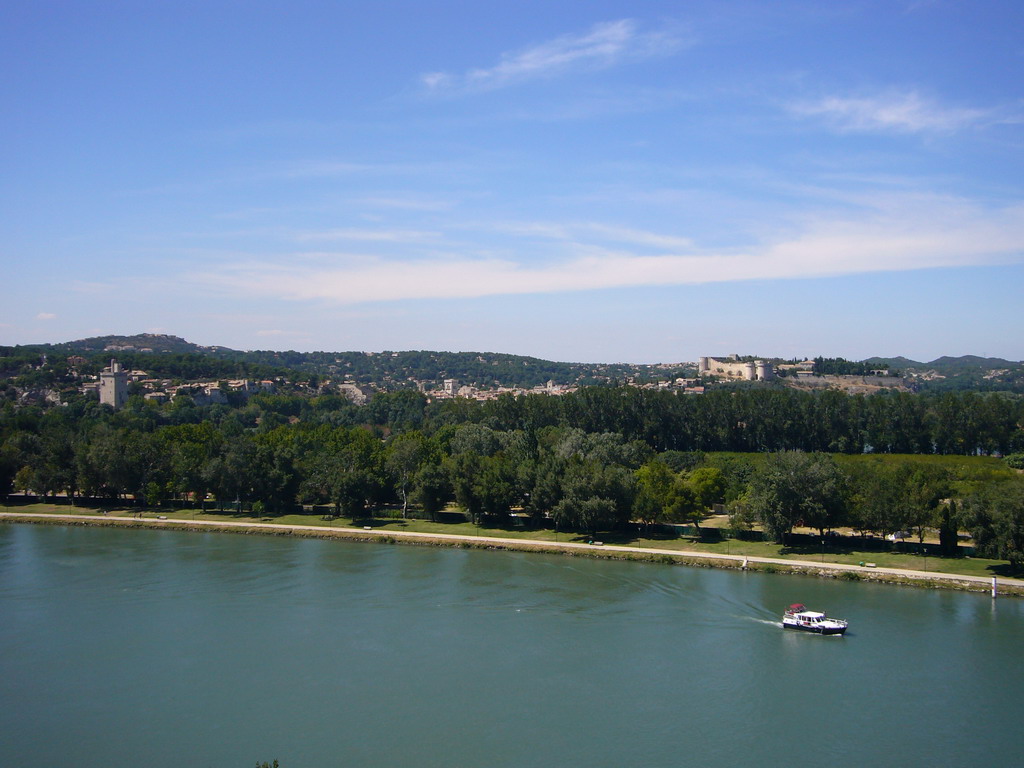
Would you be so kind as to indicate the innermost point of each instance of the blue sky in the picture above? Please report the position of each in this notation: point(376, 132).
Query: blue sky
point(581, 181)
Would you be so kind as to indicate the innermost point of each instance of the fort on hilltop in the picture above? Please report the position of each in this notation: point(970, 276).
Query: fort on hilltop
point(734, 368)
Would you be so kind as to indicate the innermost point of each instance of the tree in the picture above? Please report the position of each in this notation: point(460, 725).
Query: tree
point(741, 518)
point(708, 486)
point(345, 472)
point(948, 529)
point(589, 514)
point(121, 462)
point(9, 466)
point(693, 495)
point(191, 448)
point(496, 486)
point(684, 506)
point(230, 475)
point(877, 506)
point(463, 471)
point(890, 497)
point(995, 517)
point(594, 497)
point(545, 484)
point(924, 488)
point(275, 481)
point(654, 491)
point(432, 489)
point(405, 453)
point(793, 487)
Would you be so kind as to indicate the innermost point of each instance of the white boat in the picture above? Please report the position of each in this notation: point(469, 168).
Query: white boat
point(798, 617)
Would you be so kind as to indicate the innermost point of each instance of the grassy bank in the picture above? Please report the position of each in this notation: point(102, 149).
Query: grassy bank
point(802, 559)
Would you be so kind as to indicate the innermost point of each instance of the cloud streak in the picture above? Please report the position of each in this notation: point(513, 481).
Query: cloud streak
point(948, 234)
point(603, 45)
point(368, 235)
point(890, 112)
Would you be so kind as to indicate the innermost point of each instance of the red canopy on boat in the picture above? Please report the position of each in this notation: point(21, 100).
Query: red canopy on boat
point(796, 607)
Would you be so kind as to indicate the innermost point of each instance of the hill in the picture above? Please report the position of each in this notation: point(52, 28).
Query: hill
point(893, 363)
point(141, 342)
point(172, 356)
point(970, 361)
point(167, 355)
point(966, 373)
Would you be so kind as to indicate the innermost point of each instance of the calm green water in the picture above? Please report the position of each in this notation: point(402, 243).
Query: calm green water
point(150, 648)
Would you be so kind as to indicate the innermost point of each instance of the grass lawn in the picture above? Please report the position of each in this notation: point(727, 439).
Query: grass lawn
point(845, 552)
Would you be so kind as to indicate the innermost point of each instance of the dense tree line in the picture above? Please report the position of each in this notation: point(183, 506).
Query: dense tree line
point(759, 420)
point(838, 366)
point(594, 460)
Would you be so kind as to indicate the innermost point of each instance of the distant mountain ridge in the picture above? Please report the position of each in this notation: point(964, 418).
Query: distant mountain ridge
point(971, 361)
point(169, 344)
point(943, 363)
point(388, 369)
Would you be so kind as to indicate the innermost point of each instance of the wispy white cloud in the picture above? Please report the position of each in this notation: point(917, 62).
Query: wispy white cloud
point(892, 111)
point(918, 235)
point(603, 45)
point(641, 237)
point(368, 235)
point(582, 231)
point(46, 316)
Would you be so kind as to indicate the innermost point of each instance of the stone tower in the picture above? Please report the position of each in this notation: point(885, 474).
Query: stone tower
point(113, 385)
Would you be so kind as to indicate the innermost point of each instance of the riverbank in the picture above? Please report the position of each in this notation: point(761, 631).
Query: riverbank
point(928, 579)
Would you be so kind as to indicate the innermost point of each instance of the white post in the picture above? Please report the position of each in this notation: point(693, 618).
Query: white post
point(993, 587)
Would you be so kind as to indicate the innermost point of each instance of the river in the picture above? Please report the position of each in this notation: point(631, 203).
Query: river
point(163, 648)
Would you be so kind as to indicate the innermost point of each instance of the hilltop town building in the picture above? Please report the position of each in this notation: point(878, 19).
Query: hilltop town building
point(734, 368)
point(113, 385)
